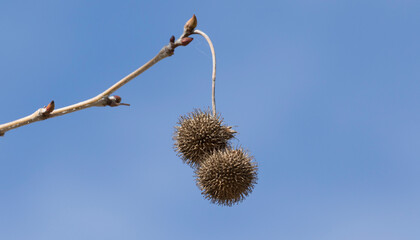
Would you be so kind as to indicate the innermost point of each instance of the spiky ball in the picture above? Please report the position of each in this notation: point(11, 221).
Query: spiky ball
point(227, 176)
point(198, 134)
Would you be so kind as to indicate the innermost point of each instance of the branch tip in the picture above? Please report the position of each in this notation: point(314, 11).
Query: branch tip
point(191, 24)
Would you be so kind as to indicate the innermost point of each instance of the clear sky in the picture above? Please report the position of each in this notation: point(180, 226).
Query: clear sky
point(324, 94)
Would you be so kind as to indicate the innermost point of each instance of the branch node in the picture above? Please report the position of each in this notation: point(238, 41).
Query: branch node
point(45, 111)
point(167, 50)
point(115, 101)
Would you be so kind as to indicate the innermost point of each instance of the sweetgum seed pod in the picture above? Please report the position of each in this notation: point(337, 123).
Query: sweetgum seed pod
point(227, 176)
point(198, 134)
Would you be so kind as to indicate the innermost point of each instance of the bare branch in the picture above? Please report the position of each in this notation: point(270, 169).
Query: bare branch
point(104, 98)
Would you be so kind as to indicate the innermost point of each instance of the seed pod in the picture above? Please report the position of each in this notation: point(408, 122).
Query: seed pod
point(198, 134)
point(227, 176)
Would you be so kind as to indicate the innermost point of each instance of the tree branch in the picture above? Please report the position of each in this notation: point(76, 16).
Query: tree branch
point(104, 98)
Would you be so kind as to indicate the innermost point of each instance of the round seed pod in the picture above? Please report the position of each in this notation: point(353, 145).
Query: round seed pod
point(227, 176)
point(198, 134)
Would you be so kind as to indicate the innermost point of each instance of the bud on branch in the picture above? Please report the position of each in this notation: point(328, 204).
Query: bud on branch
point(186, 40)
point(114, 101)
point(48, 109)
point(191, 24)
point(104, 98)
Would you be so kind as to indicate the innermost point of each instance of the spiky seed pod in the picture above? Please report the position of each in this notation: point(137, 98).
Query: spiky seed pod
point(227, 176)
point(198, 134)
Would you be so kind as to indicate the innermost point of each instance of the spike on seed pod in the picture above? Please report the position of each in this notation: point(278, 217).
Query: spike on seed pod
point(191, 24)
point(230, 130)
point(227, 176)
point(198, 134)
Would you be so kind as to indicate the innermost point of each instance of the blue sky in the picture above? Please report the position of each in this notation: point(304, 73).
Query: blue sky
point(324, 94)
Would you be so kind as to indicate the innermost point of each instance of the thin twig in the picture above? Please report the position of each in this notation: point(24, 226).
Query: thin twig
point(213, 76)
point(102, 99)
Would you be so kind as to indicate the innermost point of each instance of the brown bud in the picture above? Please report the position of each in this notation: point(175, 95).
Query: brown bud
point(114, 101)
point(117, 98)
point(186, 40)
point(49, 108)
point(172, 40)
point(191, 24)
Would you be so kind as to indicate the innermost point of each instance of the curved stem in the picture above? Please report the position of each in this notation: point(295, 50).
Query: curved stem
point(213, 76)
